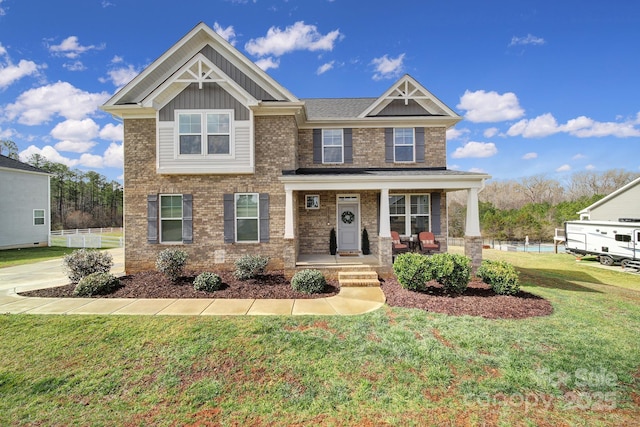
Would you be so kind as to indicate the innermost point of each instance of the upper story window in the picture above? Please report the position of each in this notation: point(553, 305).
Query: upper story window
point(171, 218)
point(332, 146)
point(38, 217)
point(404, 145)
point(204, 132)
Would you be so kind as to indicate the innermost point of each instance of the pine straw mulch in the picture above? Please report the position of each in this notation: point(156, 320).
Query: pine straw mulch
point(477, 300)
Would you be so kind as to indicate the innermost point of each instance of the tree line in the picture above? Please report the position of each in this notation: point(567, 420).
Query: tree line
point(534, 206)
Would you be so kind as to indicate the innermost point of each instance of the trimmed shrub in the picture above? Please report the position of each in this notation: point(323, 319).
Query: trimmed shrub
point(170, 262)
point(96, 284)
point(501, 276)
point(82, 262)
point(452, 271)
point(412, 270)
point(208, 282)
point(308, 282)
point(250, 266)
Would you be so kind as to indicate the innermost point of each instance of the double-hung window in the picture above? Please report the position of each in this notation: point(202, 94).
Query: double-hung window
point(332, 146)
point(404, 145)
point(38, 217)
point(204, 132)
point(247, 217)
point(170, 218)
point(411, 219)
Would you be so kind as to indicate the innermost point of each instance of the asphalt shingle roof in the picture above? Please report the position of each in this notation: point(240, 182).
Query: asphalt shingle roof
point(336, 108)
point(9, 163)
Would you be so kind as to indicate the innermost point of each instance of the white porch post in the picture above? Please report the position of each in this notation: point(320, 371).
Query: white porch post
point(473, 214)
point(288, 215)
point(385, 223)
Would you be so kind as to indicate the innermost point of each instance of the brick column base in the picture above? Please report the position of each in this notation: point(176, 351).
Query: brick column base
point(384, 251)
point(289, 255)
point(473, 249)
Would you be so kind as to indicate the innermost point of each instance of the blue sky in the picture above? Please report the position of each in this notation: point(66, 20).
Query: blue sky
point(545, 87)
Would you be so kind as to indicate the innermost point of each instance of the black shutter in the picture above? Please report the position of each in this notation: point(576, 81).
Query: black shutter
point(187, 218)
point(317, 146)
point(388, 145)
point(419, 145)
point(229, 218)
point(435, 213)
point(264, 217)
point(152, 218)
point(348, 145)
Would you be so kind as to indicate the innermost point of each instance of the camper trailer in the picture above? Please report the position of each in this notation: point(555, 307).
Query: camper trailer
point(612, 241)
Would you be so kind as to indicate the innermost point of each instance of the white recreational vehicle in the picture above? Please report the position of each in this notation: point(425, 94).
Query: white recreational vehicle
point(612, 241)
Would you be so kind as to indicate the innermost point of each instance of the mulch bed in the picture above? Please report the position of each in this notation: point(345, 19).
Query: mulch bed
point(478, 299)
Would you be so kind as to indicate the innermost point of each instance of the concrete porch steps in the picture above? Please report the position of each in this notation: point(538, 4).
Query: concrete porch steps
point(358, 278)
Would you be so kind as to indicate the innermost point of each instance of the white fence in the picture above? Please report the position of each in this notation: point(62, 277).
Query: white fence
point(109, 237)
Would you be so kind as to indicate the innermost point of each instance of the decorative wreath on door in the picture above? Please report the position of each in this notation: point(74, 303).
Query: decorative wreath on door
point(348, 217)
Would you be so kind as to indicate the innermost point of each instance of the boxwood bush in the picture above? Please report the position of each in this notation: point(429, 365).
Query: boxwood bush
point(82, 262)
point(96, 284)
point(308, 282)
point(412, 270)
point(250, 266)
point(452, 271)
point(208, 282)
point(501, 276)
point(171, 262)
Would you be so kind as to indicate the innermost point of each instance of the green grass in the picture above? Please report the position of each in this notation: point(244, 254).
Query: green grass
point(579, 366)
point(11, 257)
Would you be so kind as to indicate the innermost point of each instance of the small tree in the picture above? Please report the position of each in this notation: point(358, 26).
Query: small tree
point(365, 243)
point(333, 242)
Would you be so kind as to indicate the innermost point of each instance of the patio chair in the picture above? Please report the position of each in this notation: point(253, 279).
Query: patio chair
point(428, 242)
point(397, 246)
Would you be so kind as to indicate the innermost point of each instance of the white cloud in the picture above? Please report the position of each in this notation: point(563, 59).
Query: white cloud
point(74, 146)
point(484, 107)
point(111, 132)
point(477, 170)
point(120, 76)
point(528, 39)
point(454, 133)
point(298, 36)
point(268, 62)
point(388, 68)
point(10, 73)
point(490, 132)
point(590, 167)
point(229, 34)
point(114, 155)
point(75, 130)
point(70, 48)
point(564, 168)
point(530, 156)
point(37, 106)
point(2, 10)
point(324, 68)
point(579, 156)
point(475, 149)
point(91, 161)
point(75, 66)
point(582, 127)
point(49, 153)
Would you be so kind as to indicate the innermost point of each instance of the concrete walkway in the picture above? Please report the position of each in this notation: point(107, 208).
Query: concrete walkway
point(350, 300)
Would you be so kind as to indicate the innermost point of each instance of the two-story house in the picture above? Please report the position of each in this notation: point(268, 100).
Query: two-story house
point(221, 161)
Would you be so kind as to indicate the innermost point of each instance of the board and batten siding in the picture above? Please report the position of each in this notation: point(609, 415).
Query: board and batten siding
point(210, 97)
point(242, 160)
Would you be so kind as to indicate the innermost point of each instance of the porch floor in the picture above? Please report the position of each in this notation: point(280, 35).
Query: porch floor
point(308, 260)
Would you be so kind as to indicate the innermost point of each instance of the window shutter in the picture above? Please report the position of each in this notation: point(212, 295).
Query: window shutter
point(419, 145)
point(317, 146)
point(264, 217)
point(388, 145)
point(229, 218)
point(348, 145)
point(187, 218)
point(152, 218)
point(435, 213)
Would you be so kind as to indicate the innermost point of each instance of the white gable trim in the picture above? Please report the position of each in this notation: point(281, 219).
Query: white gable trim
point(407, 88)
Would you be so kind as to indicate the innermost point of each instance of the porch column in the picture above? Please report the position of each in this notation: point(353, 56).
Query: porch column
point(288, 214)
point(472, 236)
point(385, 223)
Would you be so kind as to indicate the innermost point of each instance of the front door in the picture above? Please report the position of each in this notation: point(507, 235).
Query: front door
point(348, 227)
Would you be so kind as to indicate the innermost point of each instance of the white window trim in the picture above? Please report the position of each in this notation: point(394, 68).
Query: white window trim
point(160, 218)
point(413, 145)
point(333, 146)
point(407, 209)
point(315, 204)
point(235, 217)
point(44, 217)
point(203, 134)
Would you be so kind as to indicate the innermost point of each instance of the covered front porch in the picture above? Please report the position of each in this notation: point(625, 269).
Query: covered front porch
point(345, 203)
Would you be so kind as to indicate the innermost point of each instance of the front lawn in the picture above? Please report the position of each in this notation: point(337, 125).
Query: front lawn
point(579, 366)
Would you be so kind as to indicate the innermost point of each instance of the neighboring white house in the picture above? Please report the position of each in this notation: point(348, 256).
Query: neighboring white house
point(622, 203)
point(25, 205)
